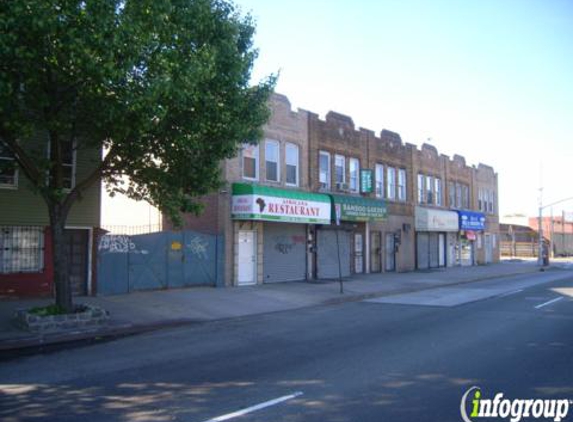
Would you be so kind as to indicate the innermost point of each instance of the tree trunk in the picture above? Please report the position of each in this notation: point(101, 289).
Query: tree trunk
point(60, 258)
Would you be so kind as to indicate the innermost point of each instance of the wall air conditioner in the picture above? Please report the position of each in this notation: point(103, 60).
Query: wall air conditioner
point(342, 187)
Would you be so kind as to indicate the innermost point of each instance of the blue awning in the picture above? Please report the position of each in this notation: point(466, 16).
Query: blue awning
point(471, 220)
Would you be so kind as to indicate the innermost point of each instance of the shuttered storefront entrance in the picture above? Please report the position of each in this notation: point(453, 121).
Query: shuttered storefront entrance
point(284, 253)
point(430, 250)
point(327, 253)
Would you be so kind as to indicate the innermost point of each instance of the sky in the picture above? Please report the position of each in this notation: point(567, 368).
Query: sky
point(491, 80)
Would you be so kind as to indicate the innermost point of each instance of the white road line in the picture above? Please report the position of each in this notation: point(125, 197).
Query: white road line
point(255, 408)
point(557, 299)
point(510, 293)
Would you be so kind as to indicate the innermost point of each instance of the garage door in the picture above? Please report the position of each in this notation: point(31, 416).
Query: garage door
point(327, 253)
point(284, 253)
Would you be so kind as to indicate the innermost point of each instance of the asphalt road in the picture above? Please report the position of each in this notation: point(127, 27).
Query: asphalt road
point(410, 358)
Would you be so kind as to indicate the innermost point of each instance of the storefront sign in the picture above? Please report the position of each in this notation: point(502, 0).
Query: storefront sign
point(252, 202)
point(428, 219)
point(470, 220)
point(354, 208)
point(366, 177)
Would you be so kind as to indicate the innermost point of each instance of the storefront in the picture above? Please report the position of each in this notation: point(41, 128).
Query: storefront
point(435, 230)
point(273, 231)
point(343, 248)
point(472, 225)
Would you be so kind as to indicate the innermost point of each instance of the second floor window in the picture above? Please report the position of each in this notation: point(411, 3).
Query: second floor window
point(250, 161)
point(68, 164)
point(354, 172)
point(272, 161)
point(8, 169)
point(339, 169)
point(421, 188)
point(379, 181)
point(391, 193)
point(438, 190)
point(458, 195)
point(291, 152)
point(402, 185)
point(429, 190)
point(465, 197)
point(452, 194)
point(324, 169)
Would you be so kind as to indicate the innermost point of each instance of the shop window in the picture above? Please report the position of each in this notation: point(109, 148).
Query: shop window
point(250, 155)
point(272, 155)
point(292, 160)
point(21, 249)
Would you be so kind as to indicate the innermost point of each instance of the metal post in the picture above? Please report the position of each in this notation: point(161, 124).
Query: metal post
point(552, 231)
point(540, 233)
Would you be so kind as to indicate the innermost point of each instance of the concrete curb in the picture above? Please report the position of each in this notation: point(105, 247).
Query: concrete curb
point(39, 343)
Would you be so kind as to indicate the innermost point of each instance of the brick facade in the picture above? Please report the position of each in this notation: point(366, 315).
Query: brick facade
point(336, 134)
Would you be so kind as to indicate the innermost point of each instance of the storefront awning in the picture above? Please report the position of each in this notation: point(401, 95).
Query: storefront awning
point(471, 220)
point(433, 220)
point(355, 208)
point(265, 203)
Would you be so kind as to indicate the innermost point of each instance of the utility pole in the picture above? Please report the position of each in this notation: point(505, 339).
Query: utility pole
point(540, 229)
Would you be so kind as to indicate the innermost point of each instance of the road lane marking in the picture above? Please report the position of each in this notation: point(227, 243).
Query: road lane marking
point(557, 299)
point(255, 407)
point(510, 293)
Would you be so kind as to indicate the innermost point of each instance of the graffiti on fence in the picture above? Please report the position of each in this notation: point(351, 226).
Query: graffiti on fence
point(198, 247)
point(114, 243)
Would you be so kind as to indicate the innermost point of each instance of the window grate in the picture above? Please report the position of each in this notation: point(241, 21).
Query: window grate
point(21, 249)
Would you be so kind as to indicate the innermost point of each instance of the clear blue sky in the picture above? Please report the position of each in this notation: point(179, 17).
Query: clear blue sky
point(491, 80)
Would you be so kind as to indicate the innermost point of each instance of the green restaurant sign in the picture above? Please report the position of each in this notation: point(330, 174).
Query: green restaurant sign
point(355, 208)
point(366, 177)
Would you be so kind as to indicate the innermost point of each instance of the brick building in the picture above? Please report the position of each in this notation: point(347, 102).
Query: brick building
point(318, 198)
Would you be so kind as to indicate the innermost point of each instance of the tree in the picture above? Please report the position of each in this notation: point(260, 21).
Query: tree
point(163, 86)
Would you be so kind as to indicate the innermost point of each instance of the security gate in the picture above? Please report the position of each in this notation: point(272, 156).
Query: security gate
point(328, 251)
point(284, 253)
point(375, 252)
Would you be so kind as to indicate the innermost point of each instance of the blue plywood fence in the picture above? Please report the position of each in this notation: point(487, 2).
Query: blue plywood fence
point(158, 261)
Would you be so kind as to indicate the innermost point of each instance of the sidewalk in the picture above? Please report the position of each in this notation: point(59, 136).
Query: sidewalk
point(145, 311)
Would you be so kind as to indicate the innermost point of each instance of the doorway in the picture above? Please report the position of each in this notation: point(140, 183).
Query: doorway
point(375, 252)
point(390, 253)
point(247, 258)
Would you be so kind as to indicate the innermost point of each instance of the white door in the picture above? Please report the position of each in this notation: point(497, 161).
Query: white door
point(247, 261)
point(358, 268)
point(488, 249)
